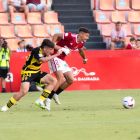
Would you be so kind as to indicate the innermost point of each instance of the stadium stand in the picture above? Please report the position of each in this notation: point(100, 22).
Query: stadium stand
point(34, 18)
point(7, 32)
point(1, 7)
point(32, 42)
point(135, 4)
point(137, 29)
point(76, 14)
point(51, 18)
point(134, 16)
point(127, 28)
point(102, 17)
point(56, 29)
point(118, 16)
point(4, 19)
point(106, 5)
point(40, 31)
point(24, 31)
point(123, 5)
point(18, 19)
point(13, 43)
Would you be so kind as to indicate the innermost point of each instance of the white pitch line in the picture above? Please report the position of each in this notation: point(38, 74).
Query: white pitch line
point(84, 122)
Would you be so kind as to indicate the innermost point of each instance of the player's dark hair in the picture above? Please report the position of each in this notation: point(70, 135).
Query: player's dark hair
point(47, 43)
point(118, 23)
point(132, 39)
point(138, 39)
point(85, 30)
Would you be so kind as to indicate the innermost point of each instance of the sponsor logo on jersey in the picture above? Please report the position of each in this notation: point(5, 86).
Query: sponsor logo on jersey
point(87, 76)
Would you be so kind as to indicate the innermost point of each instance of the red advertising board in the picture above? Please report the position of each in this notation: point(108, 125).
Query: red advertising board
point(104, 70)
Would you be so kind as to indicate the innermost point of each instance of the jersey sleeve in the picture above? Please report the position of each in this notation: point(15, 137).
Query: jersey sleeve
point(67, 36)
point(37, 54)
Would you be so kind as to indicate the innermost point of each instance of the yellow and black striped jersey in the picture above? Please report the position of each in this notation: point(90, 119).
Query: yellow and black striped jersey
point(33, 64)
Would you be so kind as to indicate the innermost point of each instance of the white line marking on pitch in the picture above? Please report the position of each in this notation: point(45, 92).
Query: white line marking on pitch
point(84, 122)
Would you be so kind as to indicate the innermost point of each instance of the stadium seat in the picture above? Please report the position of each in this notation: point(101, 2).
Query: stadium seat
point(127, 28)
point(13, 43)
point(135, 4)
point(56, 29)
point(106, 5)
point(102, 17)
point(34, 18)
point(33, 42)
point(137, 29)
point(51, 18)
point(18, 18)
point(1, 7)
point(7, 32)
point(118, 16)
point(123, 5)
point(40, 31)
point(4, 19)
point(106, 29)
point(134, 16)
point(24, 31)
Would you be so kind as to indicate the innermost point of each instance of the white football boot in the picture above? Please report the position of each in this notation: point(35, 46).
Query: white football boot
point(40, 103)
point(47, 103)
point(4, 108)
point(55, 97)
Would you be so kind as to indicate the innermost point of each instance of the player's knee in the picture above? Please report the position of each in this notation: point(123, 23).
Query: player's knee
point(54, 81)
point(70, 81)
point(61, 80)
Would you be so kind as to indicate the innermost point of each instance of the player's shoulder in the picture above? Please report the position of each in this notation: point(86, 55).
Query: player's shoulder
point(37, 49)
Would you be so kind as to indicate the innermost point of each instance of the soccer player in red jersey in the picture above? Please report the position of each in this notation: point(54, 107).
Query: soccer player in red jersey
point(68, 42)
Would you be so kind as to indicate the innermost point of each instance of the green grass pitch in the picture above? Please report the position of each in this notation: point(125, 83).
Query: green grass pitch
point(82, 115)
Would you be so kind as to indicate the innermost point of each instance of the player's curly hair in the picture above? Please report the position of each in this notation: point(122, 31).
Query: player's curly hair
point(47, 43)
point(83, 29)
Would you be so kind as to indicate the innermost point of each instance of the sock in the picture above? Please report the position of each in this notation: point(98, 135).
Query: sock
point(59, 91)
point(51, 95)
point(45, 94)
point(3, 89)
point(11, 102)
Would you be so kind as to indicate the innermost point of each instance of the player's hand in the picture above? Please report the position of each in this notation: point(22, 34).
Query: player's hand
point(84, 61)
point(59, 52)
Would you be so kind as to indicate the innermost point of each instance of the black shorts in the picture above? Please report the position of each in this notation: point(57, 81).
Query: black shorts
point(3, 73)
point(29, 77)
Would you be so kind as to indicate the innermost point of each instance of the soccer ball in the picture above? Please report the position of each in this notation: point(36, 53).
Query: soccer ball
point(128, 102)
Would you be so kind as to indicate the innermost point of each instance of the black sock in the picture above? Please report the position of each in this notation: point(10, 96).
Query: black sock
point(51, 95)
point(3, 89)
point(59, 91)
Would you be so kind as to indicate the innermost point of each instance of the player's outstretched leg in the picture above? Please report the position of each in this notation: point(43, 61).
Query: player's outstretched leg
point(51, 83)
point(23, 90)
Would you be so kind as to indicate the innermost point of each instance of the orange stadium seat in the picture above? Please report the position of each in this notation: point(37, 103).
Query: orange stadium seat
point(1, 7)
point(102, 17)
point(24, 31)
point(33, 42)
point(7, 32)
point(118, 16)
point(4, 19)
point(40, 31)
point(123, 5)
point(136, 4)
point(34, 18)
point(134, 16)
point(18, 18)
point(106, 29)
point(51, 18)
point(127, 28)
point(137, 29)
point(106, 5)
point(56, 29)
point(13, 43)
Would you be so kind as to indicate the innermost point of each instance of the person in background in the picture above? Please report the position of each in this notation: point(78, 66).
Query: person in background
point(29, 47)
point(18, 5)
point(118, 37)
point(5, 53)
point(21, 48)
point(36, 5)
point(132, 44)
point(138, 44)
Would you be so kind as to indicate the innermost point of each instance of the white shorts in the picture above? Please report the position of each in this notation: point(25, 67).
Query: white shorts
point(57, 64)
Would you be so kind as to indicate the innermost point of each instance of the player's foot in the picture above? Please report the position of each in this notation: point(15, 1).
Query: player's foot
point(55, 97)
point(47, 103)
point(40, 104)
point(3, 109)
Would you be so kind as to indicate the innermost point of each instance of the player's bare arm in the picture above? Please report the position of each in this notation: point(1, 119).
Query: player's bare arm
point(56, 37)
point(82, 53)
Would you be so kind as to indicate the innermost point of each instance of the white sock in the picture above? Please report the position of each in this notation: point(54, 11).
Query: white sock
point(55, 94)
point(48, 100)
